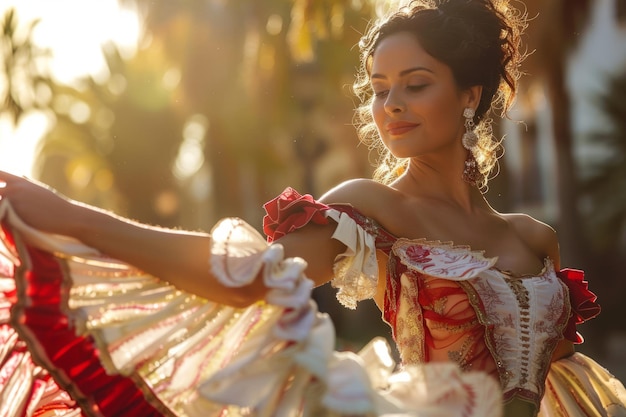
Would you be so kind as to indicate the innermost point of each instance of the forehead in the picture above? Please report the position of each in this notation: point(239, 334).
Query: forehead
point(401, 51)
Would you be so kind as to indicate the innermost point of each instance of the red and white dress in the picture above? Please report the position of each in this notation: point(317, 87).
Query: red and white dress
point(121, 342)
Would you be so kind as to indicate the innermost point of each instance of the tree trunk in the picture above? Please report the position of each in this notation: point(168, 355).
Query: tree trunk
point(564, 19)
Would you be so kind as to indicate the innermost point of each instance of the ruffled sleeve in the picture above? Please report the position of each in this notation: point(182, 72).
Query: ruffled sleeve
point(583, 301)
point(291, 211)
point(355, 270)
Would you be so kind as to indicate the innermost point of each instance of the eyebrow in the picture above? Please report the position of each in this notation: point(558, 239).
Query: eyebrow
point(404, 72)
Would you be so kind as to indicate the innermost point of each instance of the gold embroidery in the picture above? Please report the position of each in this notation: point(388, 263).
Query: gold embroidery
point(459, 328)
point(523, 302)
point(410, 324)
point(461, 356)
point(475, 301)
point(439, 305)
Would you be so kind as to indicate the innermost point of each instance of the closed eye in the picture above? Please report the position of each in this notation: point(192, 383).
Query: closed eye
point(416, 88)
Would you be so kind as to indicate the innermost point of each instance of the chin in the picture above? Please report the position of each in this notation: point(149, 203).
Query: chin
point(402, 152)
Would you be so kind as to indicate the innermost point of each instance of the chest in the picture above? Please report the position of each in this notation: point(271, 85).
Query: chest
point(491, 235)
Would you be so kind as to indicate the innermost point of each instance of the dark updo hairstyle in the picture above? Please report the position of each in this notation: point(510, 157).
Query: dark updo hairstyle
point(478, 39)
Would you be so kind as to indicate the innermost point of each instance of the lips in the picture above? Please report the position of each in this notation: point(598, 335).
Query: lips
point(400, 127)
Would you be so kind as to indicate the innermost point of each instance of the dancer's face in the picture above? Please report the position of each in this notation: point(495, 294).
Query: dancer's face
point(417, 107)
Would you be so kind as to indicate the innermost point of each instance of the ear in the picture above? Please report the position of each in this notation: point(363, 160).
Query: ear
point(471, 96)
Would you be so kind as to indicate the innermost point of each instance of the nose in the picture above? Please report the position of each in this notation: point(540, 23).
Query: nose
point(394, 102)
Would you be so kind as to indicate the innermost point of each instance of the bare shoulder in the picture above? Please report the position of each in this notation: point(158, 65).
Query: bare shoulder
point(541, 237)
point(367, 196)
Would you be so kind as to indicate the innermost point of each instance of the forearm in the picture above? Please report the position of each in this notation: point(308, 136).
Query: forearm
point(179, 257)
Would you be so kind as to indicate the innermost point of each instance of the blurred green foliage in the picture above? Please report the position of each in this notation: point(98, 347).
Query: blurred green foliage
point(21, 59)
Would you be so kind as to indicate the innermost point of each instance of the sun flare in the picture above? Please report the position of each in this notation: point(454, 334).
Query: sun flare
point(73, 31)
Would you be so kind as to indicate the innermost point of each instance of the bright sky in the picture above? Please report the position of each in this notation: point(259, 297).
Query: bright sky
point(74, 31)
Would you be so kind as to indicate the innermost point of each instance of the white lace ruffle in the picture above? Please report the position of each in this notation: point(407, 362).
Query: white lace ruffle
point(355, 270)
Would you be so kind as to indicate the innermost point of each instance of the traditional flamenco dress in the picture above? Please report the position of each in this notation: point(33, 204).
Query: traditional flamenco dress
point(90, 335)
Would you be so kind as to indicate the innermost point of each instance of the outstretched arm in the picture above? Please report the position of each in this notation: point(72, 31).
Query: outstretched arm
point(177, 256)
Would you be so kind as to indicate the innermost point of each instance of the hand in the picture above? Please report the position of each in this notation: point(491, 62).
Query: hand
point(39, 205)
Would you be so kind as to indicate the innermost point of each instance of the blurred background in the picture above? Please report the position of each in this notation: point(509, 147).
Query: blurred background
point(180, 113)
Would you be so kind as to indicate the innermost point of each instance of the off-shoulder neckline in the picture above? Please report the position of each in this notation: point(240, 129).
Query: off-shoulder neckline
point(548, 263)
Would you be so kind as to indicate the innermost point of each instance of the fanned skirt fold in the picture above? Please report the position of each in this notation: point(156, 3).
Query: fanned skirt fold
point(94, 336)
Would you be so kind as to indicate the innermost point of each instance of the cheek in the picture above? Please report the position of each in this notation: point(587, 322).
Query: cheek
point(377, 109)
point(440, 112)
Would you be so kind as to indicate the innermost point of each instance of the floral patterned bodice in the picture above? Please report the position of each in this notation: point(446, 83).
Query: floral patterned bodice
point(504, 325)
point(450, 303)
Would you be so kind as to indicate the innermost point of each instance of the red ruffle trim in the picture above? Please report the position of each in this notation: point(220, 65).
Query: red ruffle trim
point(583, 301)
point(72, 360)
point(42, 396)
point(291, 211)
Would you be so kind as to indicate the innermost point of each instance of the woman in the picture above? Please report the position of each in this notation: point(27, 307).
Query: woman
point(494, 301)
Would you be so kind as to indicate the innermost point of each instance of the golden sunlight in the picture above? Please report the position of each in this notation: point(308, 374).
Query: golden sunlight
point(73, 31)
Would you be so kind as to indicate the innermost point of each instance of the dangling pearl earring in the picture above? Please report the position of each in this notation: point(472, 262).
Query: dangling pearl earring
point(471, 174)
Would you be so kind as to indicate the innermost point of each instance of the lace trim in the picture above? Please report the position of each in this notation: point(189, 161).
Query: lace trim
point(355, 270)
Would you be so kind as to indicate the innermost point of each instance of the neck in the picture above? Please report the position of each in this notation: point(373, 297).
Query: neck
point(441, 180)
